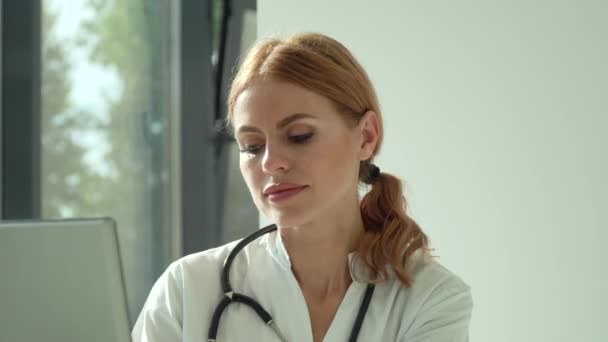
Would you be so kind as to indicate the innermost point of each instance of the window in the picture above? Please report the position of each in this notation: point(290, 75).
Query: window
point(106, 119)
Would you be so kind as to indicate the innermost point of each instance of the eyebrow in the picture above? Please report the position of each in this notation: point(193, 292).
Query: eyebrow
point(281, 124)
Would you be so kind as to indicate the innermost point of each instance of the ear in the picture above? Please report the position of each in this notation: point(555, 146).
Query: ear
point(369, 128)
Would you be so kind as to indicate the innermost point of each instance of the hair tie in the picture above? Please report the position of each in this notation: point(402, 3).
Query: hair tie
point(373, 174)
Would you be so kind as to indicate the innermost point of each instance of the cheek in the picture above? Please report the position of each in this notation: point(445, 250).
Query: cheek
point(247, 167)
point(338, 152)
point(334, 162)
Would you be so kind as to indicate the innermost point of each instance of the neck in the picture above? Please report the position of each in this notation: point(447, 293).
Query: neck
point(319, 250)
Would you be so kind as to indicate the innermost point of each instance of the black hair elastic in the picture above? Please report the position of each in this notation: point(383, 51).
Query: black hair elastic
point(373, 174)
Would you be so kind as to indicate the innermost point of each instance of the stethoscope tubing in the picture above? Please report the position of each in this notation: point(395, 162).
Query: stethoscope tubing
point(231, 296)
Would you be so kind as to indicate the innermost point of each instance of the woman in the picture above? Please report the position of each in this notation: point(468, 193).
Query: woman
point(339, 268)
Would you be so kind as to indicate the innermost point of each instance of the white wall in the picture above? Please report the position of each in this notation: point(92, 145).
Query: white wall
point(496, 116)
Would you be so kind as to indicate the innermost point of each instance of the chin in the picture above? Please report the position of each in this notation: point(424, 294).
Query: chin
point(284, 218)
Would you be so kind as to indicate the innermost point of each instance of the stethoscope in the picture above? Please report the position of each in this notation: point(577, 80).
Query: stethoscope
point(230, 296)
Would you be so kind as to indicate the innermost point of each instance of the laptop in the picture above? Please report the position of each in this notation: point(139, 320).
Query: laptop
point(61, 281)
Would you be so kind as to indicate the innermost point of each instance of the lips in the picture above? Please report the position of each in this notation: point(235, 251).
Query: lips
point(278, 196)
point(281, 187)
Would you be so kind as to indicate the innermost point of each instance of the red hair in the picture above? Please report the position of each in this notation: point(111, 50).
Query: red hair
point(324, 66)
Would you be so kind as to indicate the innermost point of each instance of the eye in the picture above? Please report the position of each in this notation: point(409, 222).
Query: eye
point(253, 149)
point(301, 138)
point(298, 139)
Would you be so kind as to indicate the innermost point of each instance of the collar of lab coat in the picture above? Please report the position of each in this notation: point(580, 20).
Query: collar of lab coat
point(274, 245)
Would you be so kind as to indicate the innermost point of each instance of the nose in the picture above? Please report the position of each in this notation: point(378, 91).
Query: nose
point(275, 160)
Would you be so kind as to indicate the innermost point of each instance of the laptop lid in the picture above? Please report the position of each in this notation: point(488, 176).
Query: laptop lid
point(61, 281)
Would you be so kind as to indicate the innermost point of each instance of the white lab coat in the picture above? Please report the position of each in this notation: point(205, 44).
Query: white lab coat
point(437, 308)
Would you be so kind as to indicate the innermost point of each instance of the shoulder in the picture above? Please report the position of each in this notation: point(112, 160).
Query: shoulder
point(209, 260)
point(431, 277)
point(166, 307)
point(440, 302)
point(205, 267)
point(200, 264)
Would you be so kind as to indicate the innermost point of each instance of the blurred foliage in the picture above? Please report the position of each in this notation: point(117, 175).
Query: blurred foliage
point(69, 186)
point(131, 40)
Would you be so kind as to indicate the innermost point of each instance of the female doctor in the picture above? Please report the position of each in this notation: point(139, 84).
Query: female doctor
point(334, 266)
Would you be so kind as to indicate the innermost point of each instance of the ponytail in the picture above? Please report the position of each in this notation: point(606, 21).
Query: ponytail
point(390, 236)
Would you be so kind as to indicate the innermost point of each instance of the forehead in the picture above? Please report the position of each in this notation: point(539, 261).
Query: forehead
point(267, 101)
